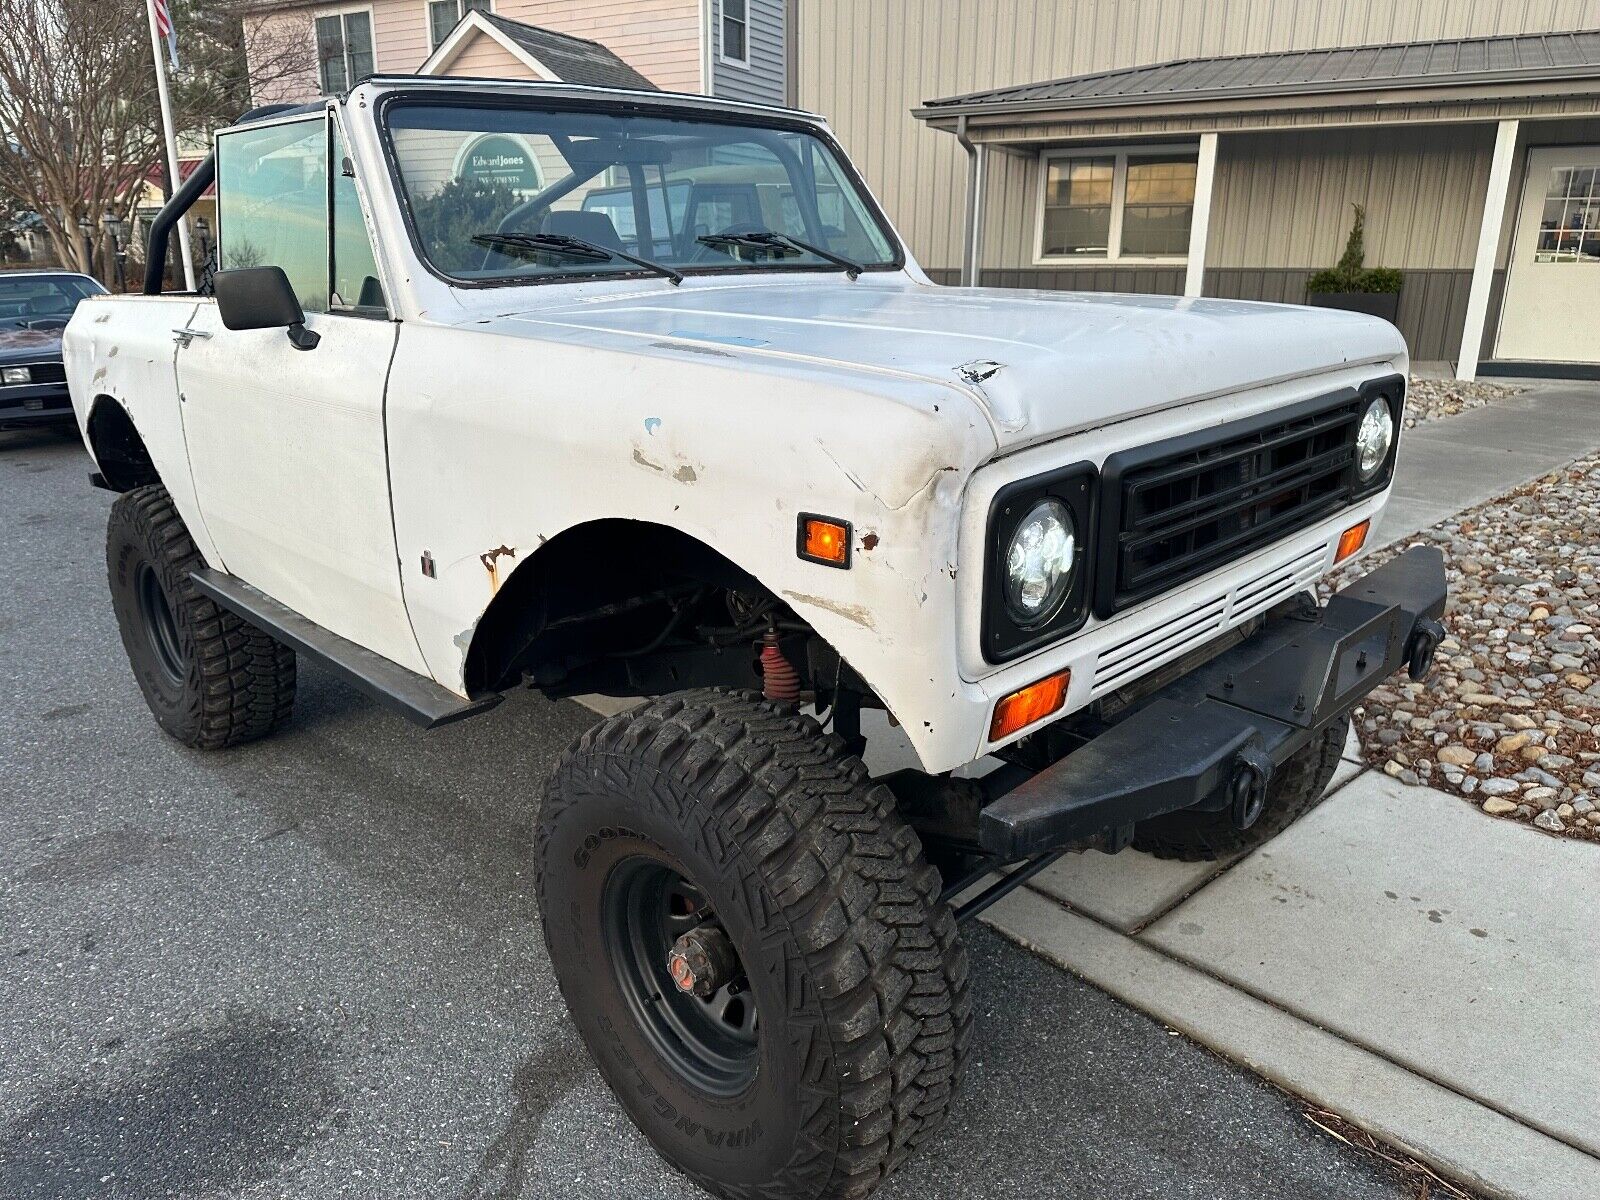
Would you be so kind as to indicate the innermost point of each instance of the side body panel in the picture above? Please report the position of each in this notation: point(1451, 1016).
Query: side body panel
point(290, 468)
point(498, 443)
point(122, 349)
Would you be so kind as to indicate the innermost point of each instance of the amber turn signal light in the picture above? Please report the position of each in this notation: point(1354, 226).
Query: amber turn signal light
point(1026, 705)
point(824, 540)
point(1351, 540)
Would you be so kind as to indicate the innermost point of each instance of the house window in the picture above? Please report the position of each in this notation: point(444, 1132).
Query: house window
point(444, 15)
point(344, 50)
point(735, 32)
point(1117, 204)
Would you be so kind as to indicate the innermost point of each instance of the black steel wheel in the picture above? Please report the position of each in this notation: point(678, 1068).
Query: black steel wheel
point(648, 908)
point(211, 679)
point(752, 946)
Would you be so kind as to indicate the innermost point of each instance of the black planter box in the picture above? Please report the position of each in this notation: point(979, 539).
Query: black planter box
point(1376, 304)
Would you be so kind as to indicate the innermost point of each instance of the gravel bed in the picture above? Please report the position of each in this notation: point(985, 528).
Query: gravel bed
point(1511, 717)
point(1430, 399)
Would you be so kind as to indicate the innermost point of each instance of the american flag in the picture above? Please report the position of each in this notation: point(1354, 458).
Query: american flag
point(164, 27)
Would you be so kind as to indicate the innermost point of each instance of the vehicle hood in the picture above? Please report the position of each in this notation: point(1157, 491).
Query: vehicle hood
point(1040, 363)
point(18, 345)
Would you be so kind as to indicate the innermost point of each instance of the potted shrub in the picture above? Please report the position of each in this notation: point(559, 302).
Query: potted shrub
point(1350, 285)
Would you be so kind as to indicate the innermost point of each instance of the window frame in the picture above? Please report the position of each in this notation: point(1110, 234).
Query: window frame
point(461, 11)
point(722, 41)
point(1119, 192)
point(330, 121)
point(341, 12)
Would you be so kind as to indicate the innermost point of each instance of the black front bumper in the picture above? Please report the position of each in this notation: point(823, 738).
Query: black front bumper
point(1213, 738)
point(34, 404)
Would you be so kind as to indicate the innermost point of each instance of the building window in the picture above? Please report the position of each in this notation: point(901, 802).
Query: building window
point(444, 15)
point(1117, 204)
point(735, 32)
point(344, 50)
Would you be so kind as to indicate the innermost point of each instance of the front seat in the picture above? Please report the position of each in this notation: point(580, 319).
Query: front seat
point(593, 227)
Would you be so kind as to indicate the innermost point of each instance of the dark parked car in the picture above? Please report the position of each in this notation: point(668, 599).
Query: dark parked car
point(34, 308)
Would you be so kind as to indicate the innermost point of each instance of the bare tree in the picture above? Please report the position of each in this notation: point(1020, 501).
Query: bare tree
point(79, 120)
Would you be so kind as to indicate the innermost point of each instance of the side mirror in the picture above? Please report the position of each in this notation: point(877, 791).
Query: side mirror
point(262, 298)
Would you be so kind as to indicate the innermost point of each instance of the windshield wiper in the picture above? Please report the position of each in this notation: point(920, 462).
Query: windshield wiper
point(560, 243)
point(772, 240)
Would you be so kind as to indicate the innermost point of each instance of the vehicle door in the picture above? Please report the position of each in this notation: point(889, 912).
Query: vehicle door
point(286, 445)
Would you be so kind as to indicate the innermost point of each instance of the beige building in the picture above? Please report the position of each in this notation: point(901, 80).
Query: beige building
point(1206, 147)
point(732, 48)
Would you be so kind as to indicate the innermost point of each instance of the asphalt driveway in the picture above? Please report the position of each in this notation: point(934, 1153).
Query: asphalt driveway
point(312, 968)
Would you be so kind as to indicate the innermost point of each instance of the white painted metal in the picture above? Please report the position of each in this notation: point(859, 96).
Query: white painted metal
point(1194, 278)
point(1552, 298)
point(722, 409)
point(1495, 195)
point(286, 449)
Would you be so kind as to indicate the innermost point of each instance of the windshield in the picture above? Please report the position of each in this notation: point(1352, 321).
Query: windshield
point(516, 194)
point(29, 299)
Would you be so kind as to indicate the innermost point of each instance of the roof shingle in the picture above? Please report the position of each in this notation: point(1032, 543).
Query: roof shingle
point(573, 59)
point(1345, 68)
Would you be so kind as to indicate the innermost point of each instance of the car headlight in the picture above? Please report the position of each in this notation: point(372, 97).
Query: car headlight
point(1374, 438)
point(15, 375)
point(1039, 561)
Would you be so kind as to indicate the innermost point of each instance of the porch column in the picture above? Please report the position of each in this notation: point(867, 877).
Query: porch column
point(1494, 208)
point(1194, 277)
point(972, 241)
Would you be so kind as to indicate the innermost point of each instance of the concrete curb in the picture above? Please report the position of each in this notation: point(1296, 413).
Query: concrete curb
point(1460, 1138)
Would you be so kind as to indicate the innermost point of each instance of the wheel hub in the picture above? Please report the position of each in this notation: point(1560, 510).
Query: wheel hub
point(702, 961)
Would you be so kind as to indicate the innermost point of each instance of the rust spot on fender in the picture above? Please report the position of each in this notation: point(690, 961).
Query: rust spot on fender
point(869, 541)
point(491, 563)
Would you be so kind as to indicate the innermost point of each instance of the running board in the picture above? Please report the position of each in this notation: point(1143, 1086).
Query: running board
point(419, 699)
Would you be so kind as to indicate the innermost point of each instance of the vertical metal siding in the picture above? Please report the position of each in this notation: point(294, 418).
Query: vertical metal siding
point(865, 63)
point(763, 80)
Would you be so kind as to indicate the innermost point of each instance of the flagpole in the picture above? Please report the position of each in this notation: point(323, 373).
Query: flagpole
point(171, 140)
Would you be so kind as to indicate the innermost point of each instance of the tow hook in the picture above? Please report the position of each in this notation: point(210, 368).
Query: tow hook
point(701, 961)
point(1420, 649)
point(1248, 788)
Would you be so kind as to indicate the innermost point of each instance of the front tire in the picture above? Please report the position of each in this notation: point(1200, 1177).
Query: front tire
point(211, 679)
point(830, 1041)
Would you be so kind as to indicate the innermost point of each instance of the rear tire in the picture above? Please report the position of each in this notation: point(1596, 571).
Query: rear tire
point(211, 679)
point(739, 821)
point(1296, 788)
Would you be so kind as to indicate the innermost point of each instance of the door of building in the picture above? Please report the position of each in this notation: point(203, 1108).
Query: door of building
point(1553, 290)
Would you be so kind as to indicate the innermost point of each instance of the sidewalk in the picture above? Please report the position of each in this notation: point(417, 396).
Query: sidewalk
point(1425, 971)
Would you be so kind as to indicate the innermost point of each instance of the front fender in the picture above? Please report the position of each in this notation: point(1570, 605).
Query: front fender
point(498, 443)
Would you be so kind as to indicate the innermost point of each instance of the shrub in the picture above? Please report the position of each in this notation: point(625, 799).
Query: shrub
point(1349, 275)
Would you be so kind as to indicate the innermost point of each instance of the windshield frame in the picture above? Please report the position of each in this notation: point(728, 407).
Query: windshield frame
point(624, 106)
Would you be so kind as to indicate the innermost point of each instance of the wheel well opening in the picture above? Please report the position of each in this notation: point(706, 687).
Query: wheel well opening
point(118, 449)
point(593, 591)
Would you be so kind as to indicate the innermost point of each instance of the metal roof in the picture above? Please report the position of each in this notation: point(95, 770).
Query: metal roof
point(1453, 62)
point(573, 59)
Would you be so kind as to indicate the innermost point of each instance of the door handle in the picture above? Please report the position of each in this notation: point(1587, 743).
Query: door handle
point(184, 336)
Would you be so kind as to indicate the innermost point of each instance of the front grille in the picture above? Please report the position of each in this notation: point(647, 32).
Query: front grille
point(51, 372)
point(1178, 509)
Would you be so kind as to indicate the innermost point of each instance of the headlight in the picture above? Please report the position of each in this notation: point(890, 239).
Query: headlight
point(1039, 561)
point(1374, 438)
point(15, 375)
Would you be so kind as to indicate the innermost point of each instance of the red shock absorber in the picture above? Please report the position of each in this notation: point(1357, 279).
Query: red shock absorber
point(779, 680)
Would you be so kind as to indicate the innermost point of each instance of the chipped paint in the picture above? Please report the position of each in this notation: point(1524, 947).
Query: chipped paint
point(978, 370)
point(491, 563)
point(638, 457)
point(651, 424)
point(857, 614)
point(869, 541)
point(685, 474)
